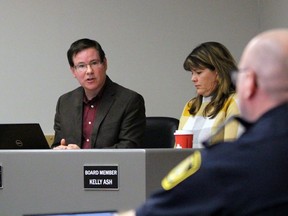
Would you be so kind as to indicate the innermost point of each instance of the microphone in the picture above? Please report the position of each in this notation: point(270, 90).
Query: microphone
point(208, 142)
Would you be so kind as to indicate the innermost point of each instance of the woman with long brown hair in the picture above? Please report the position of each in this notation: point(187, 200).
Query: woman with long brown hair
point(210, 64)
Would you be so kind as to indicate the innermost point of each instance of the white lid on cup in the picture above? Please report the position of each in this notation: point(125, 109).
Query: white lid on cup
point(183, 132)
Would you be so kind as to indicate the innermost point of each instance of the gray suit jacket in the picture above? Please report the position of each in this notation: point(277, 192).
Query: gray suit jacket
point(120, 119)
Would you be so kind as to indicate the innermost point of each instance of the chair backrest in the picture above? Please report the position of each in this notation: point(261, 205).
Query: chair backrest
point(159, 132)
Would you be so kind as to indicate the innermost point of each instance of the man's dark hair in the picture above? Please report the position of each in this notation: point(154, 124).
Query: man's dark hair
point(83, 44)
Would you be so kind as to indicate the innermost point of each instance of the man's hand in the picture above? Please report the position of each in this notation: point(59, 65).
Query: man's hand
point(128, 213)
point(64, 146)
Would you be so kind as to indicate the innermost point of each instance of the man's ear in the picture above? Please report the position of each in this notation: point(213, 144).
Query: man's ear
point(251, 84)
point(105, 64)
point(73, 71)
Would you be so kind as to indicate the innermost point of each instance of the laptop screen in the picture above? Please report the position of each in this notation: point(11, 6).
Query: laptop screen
point(22, 136)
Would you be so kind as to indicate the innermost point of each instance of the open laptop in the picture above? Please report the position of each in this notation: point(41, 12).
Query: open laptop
point(22, 136)
point(97, 213)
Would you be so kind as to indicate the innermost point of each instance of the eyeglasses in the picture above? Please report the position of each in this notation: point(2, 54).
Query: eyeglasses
point(81, 68)
point(234, 74)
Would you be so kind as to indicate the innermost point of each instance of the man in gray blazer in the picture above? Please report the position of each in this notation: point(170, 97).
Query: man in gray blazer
point(99, 113)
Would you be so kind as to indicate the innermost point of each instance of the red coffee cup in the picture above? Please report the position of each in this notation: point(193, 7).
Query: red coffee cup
point(183, 139)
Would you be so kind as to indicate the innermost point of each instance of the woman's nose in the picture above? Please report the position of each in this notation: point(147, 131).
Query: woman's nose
point(193, 78)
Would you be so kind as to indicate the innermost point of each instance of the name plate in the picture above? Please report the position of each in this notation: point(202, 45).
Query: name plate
point(102, 177)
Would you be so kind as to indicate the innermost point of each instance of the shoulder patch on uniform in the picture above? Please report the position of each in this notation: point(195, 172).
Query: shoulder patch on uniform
point(182, 171)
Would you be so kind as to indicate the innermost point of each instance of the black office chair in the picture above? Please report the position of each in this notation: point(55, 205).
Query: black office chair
point(159, 132)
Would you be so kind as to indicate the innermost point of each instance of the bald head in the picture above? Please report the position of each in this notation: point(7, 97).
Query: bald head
point(267, 55)
point(263, 83)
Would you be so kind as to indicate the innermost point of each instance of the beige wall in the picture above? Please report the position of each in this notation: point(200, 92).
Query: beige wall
point(145, 42)
point(273, 14)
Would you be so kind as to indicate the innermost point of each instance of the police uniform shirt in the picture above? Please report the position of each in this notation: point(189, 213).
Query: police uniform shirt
point(246, 177)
